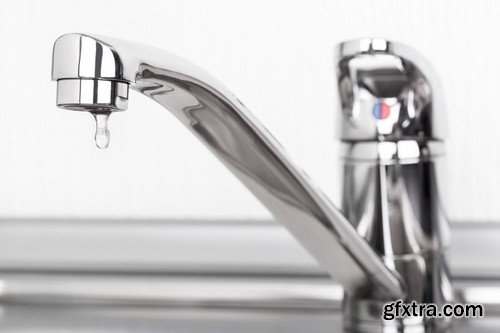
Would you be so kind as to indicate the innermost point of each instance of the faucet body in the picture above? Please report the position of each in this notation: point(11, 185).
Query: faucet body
point(94, 73)
point(391, 133)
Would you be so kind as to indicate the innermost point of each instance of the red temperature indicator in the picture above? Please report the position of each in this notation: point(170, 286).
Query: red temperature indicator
point(381, 110)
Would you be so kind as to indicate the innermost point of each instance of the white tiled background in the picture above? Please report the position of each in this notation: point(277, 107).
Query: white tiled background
point(275, 56)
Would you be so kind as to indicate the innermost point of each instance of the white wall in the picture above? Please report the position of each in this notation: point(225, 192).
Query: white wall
point(274, 55)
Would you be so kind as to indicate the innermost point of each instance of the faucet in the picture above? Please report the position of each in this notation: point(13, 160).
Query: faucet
point(391, 130)
point(387, 242)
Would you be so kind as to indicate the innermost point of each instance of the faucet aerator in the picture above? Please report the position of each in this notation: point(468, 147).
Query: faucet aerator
point(92, 95)
point(97, 96)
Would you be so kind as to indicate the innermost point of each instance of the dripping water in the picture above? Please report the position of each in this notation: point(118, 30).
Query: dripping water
point(102, 135)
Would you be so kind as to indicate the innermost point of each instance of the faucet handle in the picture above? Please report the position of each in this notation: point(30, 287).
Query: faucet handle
point(387, 92)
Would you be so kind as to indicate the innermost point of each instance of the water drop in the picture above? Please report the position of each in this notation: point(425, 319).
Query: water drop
point(102, 135)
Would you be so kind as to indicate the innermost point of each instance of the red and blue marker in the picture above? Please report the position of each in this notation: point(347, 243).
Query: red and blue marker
point(381, 110)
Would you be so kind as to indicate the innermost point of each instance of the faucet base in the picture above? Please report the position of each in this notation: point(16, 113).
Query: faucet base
point(415, 325)
point(428, 280)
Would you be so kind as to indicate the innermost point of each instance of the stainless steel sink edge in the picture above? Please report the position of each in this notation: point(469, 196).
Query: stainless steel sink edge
point(239, 247)
point(215, 273)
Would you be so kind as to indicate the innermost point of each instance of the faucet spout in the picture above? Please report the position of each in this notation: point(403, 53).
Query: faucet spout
point(94, 74)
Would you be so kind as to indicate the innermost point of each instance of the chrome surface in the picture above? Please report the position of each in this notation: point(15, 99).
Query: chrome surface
point(370, 71)
point(80, 94)
point(228, 129)
point(392, 134)
point(391, 152)
point(393, 246)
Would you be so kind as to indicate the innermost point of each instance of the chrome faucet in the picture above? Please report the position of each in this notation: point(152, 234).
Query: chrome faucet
point(388, 241)
point(392, 132)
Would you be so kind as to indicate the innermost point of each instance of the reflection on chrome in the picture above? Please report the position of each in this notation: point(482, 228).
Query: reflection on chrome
point(397, 250)
point(392, 134)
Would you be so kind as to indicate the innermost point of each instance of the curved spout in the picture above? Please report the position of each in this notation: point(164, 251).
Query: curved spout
point(94, 73)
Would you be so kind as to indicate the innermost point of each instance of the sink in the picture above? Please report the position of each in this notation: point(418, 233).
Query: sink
point(97, 302)
point(59, 318)
point(264, 282)
point(21, 318)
